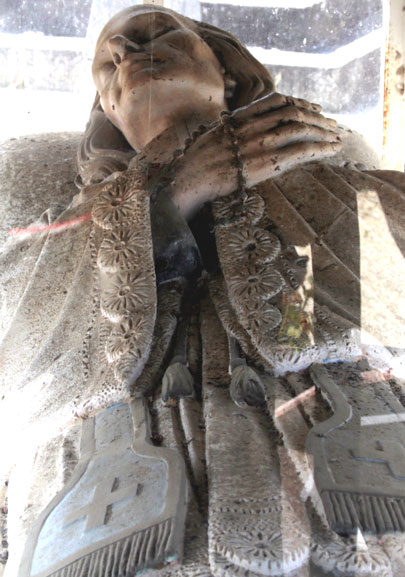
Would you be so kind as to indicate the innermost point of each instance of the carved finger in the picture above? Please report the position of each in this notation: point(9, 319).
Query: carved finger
point(271, 102)
point(288, 134)
point(302, 103)
point(284, 115)
point(264, 166)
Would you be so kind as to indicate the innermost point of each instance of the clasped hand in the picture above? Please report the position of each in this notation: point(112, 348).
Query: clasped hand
point(273, 134)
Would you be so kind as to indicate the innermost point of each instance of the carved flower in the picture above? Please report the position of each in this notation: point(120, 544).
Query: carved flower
point(228, 208)
point(262, 316)
point(254, 245)
point(253, 207)
point(235, 207)
point(125, 336)
point(117, 203)
point(256, 281)
point(128, 292)
point(119, 250)
point(261, 546)
point(343, 555)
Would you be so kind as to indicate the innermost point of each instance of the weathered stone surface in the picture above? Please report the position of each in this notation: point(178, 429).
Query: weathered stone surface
point(37, 174)
point(60, 352)
point(123, 508)
point(256, 524)
point(359, 456)
point(362, 554)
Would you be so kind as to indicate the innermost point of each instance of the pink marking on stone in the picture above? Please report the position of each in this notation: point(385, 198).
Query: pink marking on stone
point(298, 400)
point(58, 226)
point(375, 376)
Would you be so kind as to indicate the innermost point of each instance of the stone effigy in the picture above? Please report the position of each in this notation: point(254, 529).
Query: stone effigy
point(201, 265)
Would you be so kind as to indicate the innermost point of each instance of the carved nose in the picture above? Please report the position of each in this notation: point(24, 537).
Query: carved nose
point(120, 47)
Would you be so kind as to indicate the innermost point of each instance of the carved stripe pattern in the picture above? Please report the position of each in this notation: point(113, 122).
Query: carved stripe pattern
point(376, 514)
point(126, 557)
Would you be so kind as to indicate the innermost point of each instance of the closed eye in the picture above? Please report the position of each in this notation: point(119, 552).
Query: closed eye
point(158, 33)
point(163, 32)
point(150, 35)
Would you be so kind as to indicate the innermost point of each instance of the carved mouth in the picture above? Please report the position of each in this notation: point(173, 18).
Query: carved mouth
point(146, 58)
point(142, 63)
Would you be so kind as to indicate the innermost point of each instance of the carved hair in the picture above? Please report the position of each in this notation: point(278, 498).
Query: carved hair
point(104, 149)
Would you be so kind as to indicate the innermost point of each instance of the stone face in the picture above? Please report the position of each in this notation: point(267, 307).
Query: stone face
point(103, 10)
point(122, 510)
point(352, 88)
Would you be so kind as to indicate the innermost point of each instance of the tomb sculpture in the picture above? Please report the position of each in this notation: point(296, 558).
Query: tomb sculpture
point(200, 353)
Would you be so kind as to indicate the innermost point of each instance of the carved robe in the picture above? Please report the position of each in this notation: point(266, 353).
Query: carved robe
point(56, 329)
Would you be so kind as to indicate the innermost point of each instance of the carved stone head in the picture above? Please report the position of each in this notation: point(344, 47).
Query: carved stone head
point(187, 60)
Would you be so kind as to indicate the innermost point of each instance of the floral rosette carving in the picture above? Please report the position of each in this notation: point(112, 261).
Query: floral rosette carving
point(126, 275)
point(270, 288)
point(253, 207)
point(260, 545)
point(253, 245)
point(117, 202)
point(249, 259)
point(344, 555)
point(127, 294)
point(129, 367)
point(119, 250)
point(125, 336)
point(261, 315)
point(233, 208)
point(254, 282)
